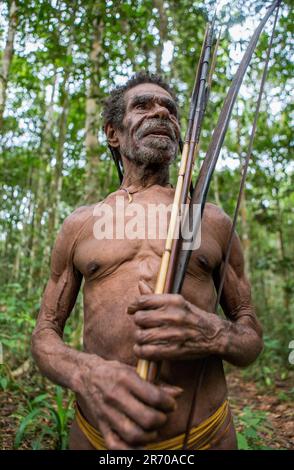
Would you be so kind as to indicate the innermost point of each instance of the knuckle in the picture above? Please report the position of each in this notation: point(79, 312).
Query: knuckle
point(178, 299)
point(139, 316)
point(135, 436)
point(109, 397)
point(102, 409)
point(122, 378)
point(161, 419)
point(153, 420)
point(111, 443)
point(149, 420)
point(131, 433)
point(158, 397)
point(165, 398)
point(179, 317)
point(138, 335)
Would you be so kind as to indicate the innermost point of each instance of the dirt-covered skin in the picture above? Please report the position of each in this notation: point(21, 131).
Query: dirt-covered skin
point(124, 321)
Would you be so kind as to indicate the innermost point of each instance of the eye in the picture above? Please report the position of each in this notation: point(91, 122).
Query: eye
point(140, 106)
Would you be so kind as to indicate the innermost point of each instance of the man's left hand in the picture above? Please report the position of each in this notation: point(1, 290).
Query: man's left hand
point(169, 327)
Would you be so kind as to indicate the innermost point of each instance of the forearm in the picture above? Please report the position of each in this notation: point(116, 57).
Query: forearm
point(62, 364)
point(237, 343)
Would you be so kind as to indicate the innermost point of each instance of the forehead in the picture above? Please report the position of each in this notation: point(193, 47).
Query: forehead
point(144, 89)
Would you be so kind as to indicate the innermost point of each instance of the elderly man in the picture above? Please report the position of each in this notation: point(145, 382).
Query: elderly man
point(125, 321)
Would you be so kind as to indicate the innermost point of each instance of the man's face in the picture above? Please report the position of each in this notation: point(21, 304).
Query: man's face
point(150, 129)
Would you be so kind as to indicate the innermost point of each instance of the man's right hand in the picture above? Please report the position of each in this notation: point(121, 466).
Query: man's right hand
point(127, 410)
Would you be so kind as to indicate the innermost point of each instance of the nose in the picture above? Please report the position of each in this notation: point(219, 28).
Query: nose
point(160, 111)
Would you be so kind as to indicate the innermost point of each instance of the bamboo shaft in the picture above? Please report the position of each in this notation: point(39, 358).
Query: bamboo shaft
point(143, 365)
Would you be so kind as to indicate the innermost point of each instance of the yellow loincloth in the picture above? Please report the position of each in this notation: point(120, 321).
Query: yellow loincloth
point(201, 437)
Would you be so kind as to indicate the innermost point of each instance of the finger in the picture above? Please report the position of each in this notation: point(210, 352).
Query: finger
point(156, 336)
point(127, 429)
point(150, 301)
point(112, 440)
point(159, 352)
point(152, 395)
point(146, 417)
point(157, 318)
point(172, 389)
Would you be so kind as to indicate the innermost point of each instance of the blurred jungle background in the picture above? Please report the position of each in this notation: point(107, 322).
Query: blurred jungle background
point(58, 60)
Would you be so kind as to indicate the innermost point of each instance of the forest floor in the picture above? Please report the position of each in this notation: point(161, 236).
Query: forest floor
point(277, 429)
point(270, 412)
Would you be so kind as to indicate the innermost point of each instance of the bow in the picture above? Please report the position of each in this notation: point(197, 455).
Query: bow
point(182, 256)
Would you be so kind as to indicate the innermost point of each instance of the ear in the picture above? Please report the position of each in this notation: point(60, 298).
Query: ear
point(111, 134)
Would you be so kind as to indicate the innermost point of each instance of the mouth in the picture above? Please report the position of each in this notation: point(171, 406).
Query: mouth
point(159, 132)
point(153, 134)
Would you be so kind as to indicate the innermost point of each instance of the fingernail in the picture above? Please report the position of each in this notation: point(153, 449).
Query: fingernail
point(175, 391)
point(180, 389)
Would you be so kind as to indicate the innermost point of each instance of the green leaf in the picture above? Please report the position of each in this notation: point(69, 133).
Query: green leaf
point(24, 424)
point(242, 442)
point(4, 383)
point(39, 398)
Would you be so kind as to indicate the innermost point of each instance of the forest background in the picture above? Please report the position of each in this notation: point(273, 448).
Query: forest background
point(58, 60)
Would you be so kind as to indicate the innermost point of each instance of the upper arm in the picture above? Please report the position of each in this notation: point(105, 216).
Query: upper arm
point(236, 299)
point(64, 283)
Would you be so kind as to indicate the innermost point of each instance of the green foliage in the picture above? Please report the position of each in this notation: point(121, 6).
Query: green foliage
point(271, 365)
point(252, 424)
point(4, 382)
point(17, 319)
point(45, 418)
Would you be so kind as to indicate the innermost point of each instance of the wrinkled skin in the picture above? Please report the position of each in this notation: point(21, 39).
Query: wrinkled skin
point(124, 320)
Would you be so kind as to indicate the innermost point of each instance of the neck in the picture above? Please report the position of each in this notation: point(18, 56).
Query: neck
point(143, 176)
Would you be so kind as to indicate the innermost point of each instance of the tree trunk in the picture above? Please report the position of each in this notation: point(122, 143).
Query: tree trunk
point(57, 172)
point(56, 183)
point(7, 57)
point(21, 234)
point(162, 27)
point(40, 197)
point(93, 108)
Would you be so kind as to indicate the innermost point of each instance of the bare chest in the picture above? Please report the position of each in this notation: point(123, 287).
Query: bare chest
point(130, 237)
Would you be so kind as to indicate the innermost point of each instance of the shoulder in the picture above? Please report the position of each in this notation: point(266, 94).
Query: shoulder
point(217, 218)
point(221, 224)
point(74, 221)
point(67, 237)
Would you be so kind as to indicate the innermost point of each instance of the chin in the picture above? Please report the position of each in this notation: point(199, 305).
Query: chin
point(159, 160)
point(157, 155)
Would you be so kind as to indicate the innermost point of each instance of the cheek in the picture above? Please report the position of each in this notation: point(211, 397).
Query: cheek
point(125, 139)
